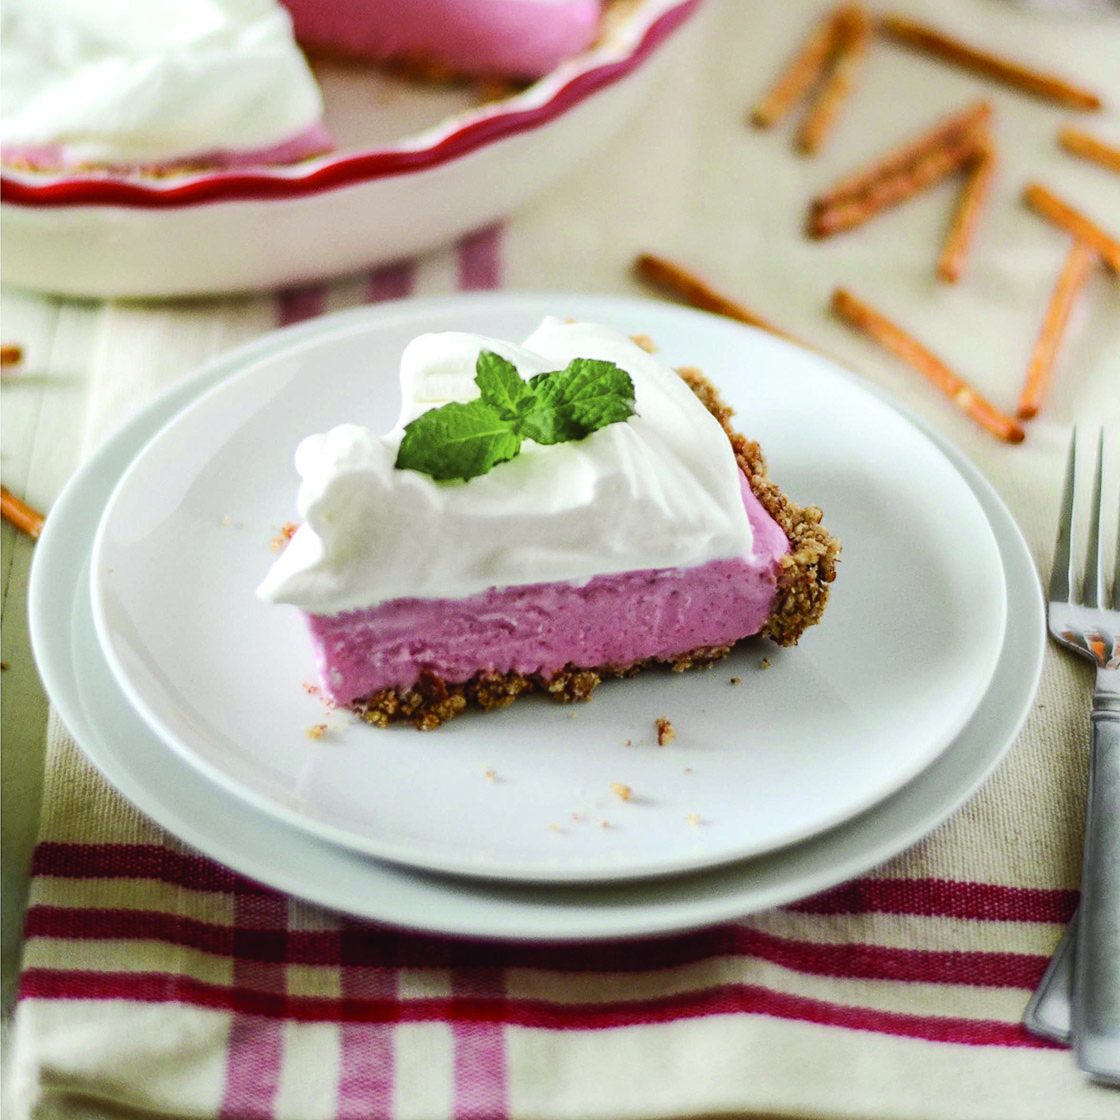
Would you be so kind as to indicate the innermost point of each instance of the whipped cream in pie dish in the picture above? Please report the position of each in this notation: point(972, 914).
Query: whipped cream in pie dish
point(653, 539)
point(223, 83)
point(119, 83)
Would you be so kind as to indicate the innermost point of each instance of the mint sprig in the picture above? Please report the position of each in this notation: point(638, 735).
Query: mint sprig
point(467, 439)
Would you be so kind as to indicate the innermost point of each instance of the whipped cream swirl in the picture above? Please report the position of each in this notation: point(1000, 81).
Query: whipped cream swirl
point(119, 82)
point(661, 490)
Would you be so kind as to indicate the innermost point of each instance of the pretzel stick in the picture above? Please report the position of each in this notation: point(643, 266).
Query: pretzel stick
point(803, 69)
point(20, 514)
point(828, 218)
point(1050, 206)
point(948, 49)
point(1081, 144)
point(897, 160)
point(696, 292)
point(969, 205)
point(853, 40)
point(1054, 323)
point(11, 355)
point(895, 339)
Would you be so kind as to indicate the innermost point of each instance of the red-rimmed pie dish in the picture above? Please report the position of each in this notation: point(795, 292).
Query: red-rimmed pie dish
point(416, 164)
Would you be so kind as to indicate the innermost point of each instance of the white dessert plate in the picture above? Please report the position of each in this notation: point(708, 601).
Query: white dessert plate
point(182, 800)
point(870, 698)
point(417, 165)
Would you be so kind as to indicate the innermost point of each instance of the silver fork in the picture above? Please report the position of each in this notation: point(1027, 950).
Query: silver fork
point(1089, 624)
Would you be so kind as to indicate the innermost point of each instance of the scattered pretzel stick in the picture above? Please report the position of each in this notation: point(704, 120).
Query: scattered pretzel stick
point(831, 217)
point(803, 69)
point(897, 160)
point(853, 40)
point(694, 291)
point(945, 47)
point(1051, 207)
point(895, 339)
point(11, 355)
point(967, 214)
point(1041, 365)
point(18, 513)
point(1081, 144)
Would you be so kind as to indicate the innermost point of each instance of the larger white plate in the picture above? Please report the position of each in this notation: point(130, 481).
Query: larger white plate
point(906, 651)
point(180, 799)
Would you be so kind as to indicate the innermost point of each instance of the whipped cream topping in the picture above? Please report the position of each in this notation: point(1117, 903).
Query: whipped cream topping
point(661, 490)
point(136, 81)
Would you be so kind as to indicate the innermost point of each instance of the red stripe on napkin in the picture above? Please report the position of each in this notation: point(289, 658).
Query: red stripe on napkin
point(255, 1051)
point(394, 281)
point(725, 999)
point(273, 947)
point(480, 260)
point(943, 898)
point(298, 304)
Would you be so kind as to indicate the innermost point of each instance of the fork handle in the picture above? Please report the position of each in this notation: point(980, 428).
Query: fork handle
point(1096, 978)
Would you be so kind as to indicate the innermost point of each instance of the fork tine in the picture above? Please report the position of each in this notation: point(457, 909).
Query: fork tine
point(1061, 573)
point(1116, 569)
point(1093, 589)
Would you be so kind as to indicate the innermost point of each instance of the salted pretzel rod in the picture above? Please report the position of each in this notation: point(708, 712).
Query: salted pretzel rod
point(831, 217)
point(1081, 144)
point(800, 73)
point(853, 40)
point(973, 195)
point(1043, 201)
point(948, 49)
point(1041, 365)
point(866, 319)
point(18, 513)
point(11, 355)
point(696, 292)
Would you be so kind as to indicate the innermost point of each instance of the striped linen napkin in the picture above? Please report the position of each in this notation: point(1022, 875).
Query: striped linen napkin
point(158, 984)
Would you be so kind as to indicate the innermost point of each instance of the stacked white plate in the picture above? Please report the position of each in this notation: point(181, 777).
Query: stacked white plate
point(791, 770)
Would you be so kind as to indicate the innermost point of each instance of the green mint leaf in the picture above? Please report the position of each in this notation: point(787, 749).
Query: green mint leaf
point(574, 402)
point(501, 385)
point(464, 440)
point(457, 440)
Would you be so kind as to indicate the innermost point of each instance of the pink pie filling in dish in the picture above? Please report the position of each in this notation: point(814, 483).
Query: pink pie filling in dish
point(539, 629)
point(509, 38)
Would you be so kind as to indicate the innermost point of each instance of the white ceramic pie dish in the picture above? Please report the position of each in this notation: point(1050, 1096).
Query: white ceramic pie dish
point(423, 168)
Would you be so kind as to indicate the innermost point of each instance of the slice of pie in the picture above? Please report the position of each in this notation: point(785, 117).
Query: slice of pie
point(657, 538)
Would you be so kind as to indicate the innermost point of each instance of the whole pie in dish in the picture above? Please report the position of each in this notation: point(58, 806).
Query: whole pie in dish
point(213, 84)
point(541, 517)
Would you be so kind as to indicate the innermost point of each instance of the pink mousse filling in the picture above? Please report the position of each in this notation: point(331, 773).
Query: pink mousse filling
point(510, 38)
point(313, 141)
point(611, 620)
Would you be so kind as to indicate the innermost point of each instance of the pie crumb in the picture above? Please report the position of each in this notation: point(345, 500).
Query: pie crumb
point(281, 539)
point(693, 818)
point(316, 731)
point(764, 663)
point(736, 680)
point(665, 731)
point(490, 773)
point(620, 790)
